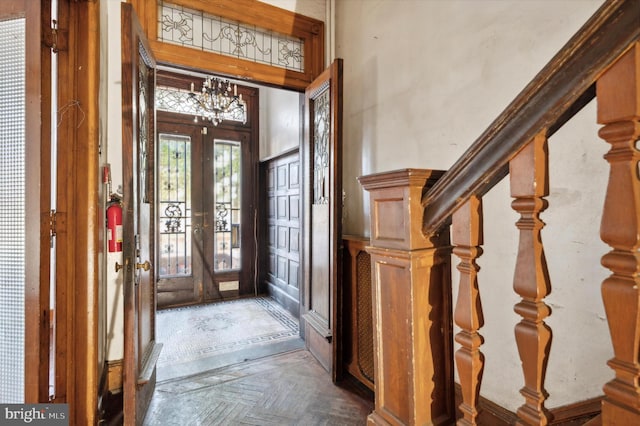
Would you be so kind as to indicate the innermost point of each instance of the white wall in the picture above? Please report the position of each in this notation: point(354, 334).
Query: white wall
point(280, 122)
point(422, 80)
point(311, 8)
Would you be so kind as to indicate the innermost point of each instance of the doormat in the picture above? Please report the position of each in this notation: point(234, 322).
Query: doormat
point(200, 338)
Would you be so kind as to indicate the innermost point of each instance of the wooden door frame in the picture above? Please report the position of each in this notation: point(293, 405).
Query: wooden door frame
point(79, 222)
point(251, 127)
point(250, 12)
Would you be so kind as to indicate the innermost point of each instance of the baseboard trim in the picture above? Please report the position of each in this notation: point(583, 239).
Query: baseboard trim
point(496, 415)
point(582, 410)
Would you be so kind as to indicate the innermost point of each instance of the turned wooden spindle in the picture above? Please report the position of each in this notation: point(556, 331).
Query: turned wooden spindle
point(467, 239)
point(618, 93)
point(529, 184)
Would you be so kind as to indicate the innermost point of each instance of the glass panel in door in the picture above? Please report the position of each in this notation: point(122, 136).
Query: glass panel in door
point(229, 224)
point(12, 209)
point(227, 174)
point(174, 209)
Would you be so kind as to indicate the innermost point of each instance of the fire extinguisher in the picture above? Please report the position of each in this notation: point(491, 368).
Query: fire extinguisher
point(114, 225)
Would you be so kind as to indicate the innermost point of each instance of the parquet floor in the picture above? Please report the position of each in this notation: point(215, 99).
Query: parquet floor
point(285, 389)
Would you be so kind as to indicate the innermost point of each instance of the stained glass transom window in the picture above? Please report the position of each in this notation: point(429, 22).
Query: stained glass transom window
point(175, 100)
point(199, 30)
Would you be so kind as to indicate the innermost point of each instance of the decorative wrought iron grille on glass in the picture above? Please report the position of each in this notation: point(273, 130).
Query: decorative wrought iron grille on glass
point(174, 180)
point(199, 30)
point(227, 162)
point(175, 100)
point(12, 209)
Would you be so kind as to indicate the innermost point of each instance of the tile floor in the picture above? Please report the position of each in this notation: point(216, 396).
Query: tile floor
point(200, 338)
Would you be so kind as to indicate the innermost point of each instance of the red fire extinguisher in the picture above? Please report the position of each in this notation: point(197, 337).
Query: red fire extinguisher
point(114, 225)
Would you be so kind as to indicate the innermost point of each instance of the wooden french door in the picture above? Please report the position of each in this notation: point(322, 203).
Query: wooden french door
point(322, 158)
point(205, 213)
point(138, 144)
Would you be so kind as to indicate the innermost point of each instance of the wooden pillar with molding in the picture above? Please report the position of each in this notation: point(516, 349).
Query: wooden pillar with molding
point(411, 279)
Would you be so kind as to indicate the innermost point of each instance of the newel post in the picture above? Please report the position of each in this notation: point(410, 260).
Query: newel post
point(411, 279)
point(618, 93)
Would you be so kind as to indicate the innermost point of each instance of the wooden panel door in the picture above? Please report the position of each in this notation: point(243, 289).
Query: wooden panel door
point(138, 128)
point(323, 216)
point(281, 184)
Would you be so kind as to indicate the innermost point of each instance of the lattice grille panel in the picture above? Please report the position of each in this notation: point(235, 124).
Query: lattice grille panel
point(365, 315)
point(12, 209)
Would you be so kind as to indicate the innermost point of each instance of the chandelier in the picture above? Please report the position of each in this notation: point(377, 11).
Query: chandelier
point(218, 99)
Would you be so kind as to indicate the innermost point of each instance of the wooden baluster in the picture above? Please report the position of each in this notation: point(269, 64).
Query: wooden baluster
point(618, 93)
point(529, 184)
point(467, 238)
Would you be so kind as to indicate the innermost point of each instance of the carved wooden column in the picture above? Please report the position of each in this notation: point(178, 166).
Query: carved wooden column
point(618, 93)
point(412, 304)
point(529, 173)
point(467, 238)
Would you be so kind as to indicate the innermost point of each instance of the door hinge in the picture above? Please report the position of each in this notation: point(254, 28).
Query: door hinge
point(53, 225)
point(57, 222)
point(55, 38)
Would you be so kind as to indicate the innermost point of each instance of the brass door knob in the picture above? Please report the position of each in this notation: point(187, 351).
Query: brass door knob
point(119, 266)
point(146, 265)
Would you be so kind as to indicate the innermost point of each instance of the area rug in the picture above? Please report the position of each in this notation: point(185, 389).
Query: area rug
point(201, 338)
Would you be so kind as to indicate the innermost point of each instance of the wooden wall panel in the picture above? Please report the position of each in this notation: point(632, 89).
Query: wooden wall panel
point(282, 212)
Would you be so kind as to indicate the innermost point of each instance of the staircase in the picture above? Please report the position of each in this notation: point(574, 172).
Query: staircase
point(420, 218)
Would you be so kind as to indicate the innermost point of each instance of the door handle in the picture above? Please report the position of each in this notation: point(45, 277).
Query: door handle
point(146, 265)
point(119, 266)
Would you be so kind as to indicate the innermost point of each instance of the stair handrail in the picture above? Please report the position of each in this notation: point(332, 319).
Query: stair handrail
point(558, 92)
